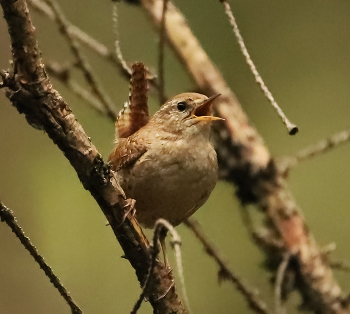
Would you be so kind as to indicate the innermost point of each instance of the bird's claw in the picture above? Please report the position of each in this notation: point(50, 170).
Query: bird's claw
point(129, 209)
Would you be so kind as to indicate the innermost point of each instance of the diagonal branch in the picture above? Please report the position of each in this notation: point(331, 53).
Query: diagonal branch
point(7, 216)
point(62, 73)
point(292, 128)
point(245, 161)
point(90, 42)
point(321, 147)
point(255, 304)
point(30, 91)
point(84, 38)
point(82, 62)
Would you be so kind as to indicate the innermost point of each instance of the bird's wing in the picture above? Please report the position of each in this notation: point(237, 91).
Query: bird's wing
point(127, 152)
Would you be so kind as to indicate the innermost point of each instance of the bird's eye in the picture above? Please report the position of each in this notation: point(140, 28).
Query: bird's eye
point(181, 106)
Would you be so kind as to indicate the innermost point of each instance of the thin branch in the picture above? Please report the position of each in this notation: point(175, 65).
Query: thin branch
point(245, 161)
point(7, 216)
point(87, 40)
point(161, 54)
point(279, 281)
point(160, 224)
point(292, 128)
point(82, 62)
point(118, 50)
point(154, 254)
point(335, 264)
point(62, 73)
point(225, 272)
point(33, 95)
point(42, 8)
point(323, 146)
point(176, 244)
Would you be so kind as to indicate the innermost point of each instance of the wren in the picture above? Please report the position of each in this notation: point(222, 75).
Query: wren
point(169, 166)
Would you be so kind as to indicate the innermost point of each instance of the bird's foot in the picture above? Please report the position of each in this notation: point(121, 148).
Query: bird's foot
point(116, 184)
point(129, 209)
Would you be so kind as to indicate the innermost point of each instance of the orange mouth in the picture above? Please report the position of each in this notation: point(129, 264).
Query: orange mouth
point(202, 112)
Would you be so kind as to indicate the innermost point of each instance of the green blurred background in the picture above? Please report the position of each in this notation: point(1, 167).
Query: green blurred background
point(302, 51)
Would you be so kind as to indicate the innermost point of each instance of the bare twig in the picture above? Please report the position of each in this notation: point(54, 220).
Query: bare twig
point(323, 146)
point(155, 252)
point(176, 244)
point(341, 265)
point(118, 50)
point(7, 216)
point(333, 263)
point(292, 128)
point(245, 161)
point(82, 62)
point(31, 92)
point(90, 42)
point(279, 281)
point(225, 272)
point(62, 73)
point(161, 54)
point(159, 226)
point(84, 38)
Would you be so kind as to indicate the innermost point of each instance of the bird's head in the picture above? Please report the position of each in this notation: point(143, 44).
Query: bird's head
point(187, 113)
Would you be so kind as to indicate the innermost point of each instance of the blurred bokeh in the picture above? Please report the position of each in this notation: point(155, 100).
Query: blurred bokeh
point(302, 51)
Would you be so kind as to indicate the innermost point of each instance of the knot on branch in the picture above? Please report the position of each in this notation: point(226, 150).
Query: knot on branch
point(25, 96)
point(101, 171)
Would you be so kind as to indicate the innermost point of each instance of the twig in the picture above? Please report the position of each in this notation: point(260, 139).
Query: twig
point(323, 146)
point(62, 73)
point(176, 242)
point(7, 216)
point(81, 60)
point(154, 254)
point(31, 92)
point(292, 128)
point(255, 304)
point(245, 161)
point(87, 40)
point(161, 54)
point(335, 264)
point(81, 36)
point(341, 265)
point(279, 281)
point(118, 50)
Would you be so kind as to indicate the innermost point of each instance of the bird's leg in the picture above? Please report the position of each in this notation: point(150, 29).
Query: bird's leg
point(117, 184)
point(162, 236)
point(129, 209)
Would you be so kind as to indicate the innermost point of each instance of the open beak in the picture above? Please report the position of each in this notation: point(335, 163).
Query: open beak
point(202, 112)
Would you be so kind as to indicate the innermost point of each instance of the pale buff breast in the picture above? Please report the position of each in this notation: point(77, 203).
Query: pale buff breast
point(177, 188)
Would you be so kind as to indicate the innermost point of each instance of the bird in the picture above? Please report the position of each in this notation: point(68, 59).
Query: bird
point(169, 166)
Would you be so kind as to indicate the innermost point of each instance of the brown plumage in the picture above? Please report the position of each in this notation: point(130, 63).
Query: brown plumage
point(135, 112)
point(169, 166)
